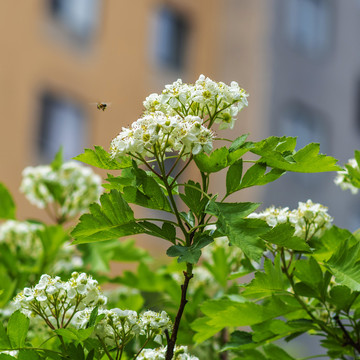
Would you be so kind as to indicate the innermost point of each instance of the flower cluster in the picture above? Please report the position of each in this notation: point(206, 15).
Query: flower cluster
point(180, 353)
point(206, 98)
point(157, 133)
point(308, 219)
point(72, 186)
point(56, 301)
point(21, 237)
point(345, 180)
point(118, 327)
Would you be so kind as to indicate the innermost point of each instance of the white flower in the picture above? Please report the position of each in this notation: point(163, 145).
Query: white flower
point(22, 238)
point(308, 219)
point(206, 97)
point(56, 301)
point(77, 187)
point(344, 179)
point(180, 353)
point(158, 133)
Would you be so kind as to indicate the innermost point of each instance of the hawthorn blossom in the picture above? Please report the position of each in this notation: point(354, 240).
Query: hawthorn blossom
point(157, 133)
point(308, 219)
point(56, 301)
point(180, 353)
point(205, 98)
point(76, 187)
point(343, 178)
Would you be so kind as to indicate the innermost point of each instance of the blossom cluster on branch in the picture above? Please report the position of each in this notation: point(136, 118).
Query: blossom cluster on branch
point(308, 219)
point(72, 186)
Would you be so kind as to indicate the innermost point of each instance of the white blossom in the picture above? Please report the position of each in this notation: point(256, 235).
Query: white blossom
point(21, 237)
point(156, 133)
point(308, 219)
point(343, 178)
point(57, 301)
point(205, 98)
point(180, 353)
point(77, 187)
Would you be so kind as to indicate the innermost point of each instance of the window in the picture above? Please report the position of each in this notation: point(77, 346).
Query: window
point(169, 38)
point(78, 17)
point(309, 24)
point(62, 123)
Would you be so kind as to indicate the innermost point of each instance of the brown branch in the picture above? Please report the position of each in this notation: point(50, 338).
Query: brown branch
point(347, 336)
point(172, 341)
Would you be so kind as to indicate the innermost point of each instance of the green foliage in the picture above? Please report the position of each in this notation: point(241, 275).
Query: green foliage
point(101, 158)
point(113, 219)
point(190, 254)
point(279, 153)
point(344, 265)
point(7, 205)
point(282, 236)
point(145, 192)
point(267, 282)
point(242, 232)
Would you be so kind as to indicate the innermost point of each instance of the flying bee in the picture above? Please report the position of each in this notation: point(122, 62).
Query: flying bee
point(101, 105)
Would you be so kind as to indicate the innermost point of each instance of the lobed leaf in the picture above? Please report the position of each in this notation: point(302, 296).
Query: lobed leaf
point(112, 219)
point(344, 265)
point(102, 159)
point(278, 152)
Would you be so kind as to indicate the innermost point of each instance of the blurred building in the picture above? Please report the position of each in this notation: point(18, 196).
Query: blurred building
point(298, 59)
point(315, 72)
point(64, 56)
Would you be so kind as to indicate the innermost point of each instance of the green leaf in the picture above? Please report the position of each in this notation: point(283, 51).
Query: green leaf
point(58, 160)
point(17, 329)
point(6, 357)
point(268, 282)
point(216, 161)
point(309, 272)
point(238, 148)
point(242, 232)
point(303, 289)
point(190, 254)
point(4, 339)
point(342, 297)
point(113, 219)
point(188, 217)
point(344, 265)
point(276, 353)
point(238, 143)
point(167, 231)
point(229, 313)
point(52, 239)
point(256, 175)
point(147, 192)
point(282, 235)
point(357, 156)
point(245, 234)
point(238, 339)
point(233, 176)
point(193, 198)
point(278, 153)
point(7, 205)
point(78, 335)
point(28, 354)
point(326, 245)
point(103, 160)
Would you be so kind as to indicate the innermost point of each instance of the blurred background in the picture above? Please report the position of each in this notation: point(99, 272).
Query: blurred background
point(298, 59)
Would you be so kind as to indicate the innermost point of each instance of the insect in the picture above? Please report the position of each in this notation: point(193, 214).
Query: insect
point(102, 106)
